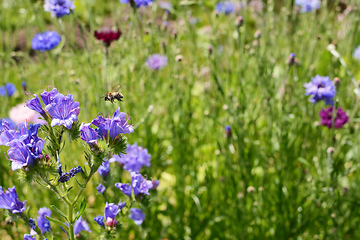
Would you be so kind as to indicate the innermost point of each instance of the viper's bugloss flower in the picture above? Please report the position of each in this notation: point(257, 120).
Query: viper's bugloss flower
point(308, 5)
point(99, 220)
point(35, 104)
point(7, 90)
point(43, 223)
point(137, 215)
point(135, 158)
point(107, 35)
point(140, 184)
point(104, 169)
point(225, 7)
point(32, 223)
point(81, 225)
point(327, 117)
point(155, 184)
point(25, 145)
point(356, 53)
point(59, 8)
point(320, 88)
point(49, 96)
point(111, 210)
point(156, 61)
point(87, 134)
point(10, 200)
point(100, 188)
point(29, 237)
point(139, 3)
point(63, 110)
point(8, 123)
point(112, 127)
point(125, 188)
point(64, 177)
point(45, 41)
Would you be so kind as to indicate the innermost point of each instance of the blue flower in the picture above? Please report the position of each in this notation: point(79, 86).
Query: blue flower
point(49, 96)
point(58, 8)
point(7, 90)
point(125, 188)
point(29, 237)
point(99, 220)
point(89, 135)
point(81, 225)
point(320, 88)
point(20, 155)
point(156, 61)
point(112, 127)
point(63, 110)
point(137, 215)
point(139, 3)
point(357, 53)
point(100, 188)
point(111, 210)
point(6, 122)
point(308, 5)
point(10, 200)
point(43, 223)
point(140, 184)
point(64, 177)
point(45, 41)
point(104, 169)
point(135, 158)
point(35, 104)
point(32, 223)
point(225, 7)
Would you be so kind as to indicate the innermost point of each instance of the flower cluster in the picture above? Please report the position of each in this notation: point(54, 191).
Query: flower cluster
point(10, 200)
point(138, 3)
point(59, 8)
point(7, 90)
point(45, 41)
point(320, 88)
point(107, 36)
point(156, 61)
point(225, 7)
point(25, 145)
point(327, 117)
point(64, 177)
point(62, 110)
point(134, 159)
point(110, 212)
point(308, 5)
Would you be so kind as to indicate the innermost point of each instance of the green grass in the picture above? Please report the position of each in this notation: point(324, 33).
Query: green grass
point(301, 191)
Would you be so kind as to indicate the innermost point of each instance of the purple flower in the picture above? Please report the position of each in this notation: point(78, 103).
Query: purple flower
point(58, 8)
point(20, 155)
point(356, 53)
point(29, 237)
point(81, 225)
point(156, 61)
point(7, 124)
point(155, 184)
point(10, 200)
point(320, 88)
point(139, 3)
point(114, 126)
point(104, 169)
point(100, 188)
point(43, 223)
point(137, 215)
point(225, 7)
point(35, 104)
point(99, 220)
point(7, 90)
point(340, 119)
point(63, 110)
point(135, 158)
point(89, 135)
point(32, 223)
point(140, 184)
point(48, 97)
point(125, 188)
point(64, 177)
point(308, 5)
point(45, 41)
point(111, 210)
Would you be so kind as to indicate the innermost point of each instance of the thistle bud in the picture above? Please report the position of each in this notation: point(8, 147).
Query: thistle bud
point(257, 34)
point(337, 81)
point(239, 21)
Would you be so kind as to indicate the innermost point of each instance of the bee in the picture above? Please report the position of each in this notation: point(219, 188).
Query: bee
point(114, 95)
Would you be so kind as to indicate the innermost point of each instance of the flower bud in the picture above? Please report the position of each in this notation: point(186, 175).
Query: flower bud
point(337, 81)
point(110, 222)
point(210, 49)
point(257, 34)
point(239, 21)
point(250, 189)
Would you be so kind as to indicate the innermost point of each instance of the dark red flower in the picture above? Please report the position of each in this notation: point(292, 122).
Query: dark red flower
point(107, 35)
point(340, 117)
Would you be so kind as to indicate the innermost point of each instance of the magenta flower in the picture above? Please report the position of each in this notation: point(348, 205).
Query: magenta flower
point(340, 118)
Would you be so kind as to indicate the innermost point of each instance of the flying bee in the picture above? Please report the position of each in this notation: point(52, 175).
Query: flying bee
point(114, 95)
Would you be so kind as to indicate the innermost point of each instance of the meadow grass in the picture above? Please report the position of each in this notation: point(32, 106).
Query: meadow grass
point(274, 177)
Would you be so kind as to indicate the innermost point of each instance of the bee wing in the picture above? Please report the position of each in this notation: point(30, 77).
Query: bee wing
point(115, 88)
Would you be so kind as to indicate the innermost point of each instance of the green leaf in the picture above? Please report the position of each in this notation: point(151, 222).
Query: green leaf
point(66, 228)
point(59, 212)
point(303, 160)
point(82, 209)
